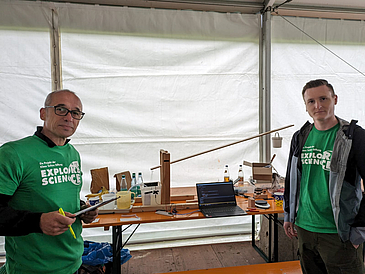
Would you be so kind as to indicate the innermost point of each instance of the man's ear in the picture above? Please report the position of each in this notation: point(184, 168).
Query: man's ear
point(42, 114)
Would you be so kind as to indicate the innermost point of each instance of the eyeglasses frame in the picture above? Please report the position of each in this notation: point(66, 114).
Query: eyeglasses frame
point(68, 111)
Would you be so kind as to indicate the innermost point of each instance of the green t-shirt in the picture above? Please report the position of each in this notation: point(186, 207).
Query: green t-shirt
point(42, 179)
point(315, 210)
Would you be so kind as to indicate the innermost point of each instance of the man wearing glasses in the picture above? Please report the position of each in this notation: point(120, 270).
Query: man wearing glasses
point(39, 175)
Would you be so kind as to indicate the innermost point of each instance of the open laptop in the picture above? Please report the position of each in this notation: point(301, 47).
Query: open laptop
point(218, 199)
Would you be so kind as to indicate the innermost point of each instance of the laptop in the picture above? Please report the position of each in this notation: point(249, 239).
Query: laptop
point(218, 199)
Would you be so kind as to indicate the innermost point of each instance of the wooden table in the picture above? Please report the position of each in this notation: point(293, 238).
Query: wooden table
point(113, 220)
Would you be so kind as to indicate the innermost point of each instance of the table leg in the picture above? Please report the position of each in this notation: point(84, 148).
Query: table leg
point(271, 218)
point(259, 251)
point(117, 246)
point(276, 238)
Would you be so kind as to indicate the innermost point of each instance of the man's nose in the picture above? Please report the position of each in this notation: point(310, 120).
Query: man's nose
point(318, 104)
point(69, 117)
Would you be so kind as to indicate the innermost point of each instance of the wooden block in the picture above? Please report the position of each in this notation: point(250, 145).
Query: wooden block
point(165, 176)
point(251, 202)
point(261, 196)
point(183, 190)
point(99, 179)
point(165, 207)
point(182, 197)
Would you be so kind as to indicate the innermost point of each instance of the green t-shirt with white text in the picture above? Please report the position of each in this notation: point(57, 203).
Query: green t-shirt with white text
point(42, 179)
point(314, 209)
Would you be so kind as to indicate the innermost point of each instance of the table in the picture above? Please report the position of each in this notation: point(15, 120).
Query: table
point(113, 220)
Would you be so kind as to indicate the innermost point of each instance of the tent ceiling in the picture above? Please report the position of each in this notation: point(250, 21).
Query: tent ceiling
point(349, 9)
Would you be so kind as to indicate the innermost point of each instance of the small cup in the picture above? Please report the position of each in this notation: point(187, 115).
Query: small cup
point(279, 198)
point(277, 140)
point(94, 200)
point(111, 205)
point(125, 200)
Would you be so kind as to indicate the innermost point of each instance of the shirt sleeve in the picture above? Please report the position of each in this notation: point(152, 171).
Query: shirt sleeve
point(10, 170)
point(17, 222)
point(357, 156)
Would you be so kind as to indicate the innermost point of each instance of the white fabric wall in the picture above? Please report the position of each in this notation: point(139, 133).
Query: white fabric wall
point(182, 81)
point(157, 79)
point(296, 59)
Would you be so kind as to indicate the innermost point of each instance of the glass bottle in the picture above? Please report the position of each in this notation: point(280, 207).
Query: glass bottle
point(226, 174)
point(241, 178)
point(140, 180)
point(123, 184)
point(134, 187)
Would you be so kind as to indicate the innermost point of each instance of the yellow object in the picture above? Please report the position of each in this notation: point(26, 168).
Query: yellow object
point(69, 226)
point(102, 192)
point(125, 200)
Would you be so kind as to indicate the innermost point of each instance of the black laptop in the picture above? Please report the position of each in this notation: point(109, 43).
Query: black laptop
point(218, 200)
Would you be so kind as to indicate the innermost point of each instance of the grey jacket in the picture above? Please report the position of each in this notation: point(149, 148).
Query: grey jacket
point(346, 170)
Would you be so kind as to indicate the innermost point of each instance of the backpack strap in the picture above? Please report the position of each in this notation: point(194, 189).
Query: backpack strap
point(350, 129)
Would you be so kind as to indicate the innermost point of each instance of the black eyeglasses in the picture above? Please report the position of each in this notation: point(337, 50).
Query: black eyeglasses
point(62, 111)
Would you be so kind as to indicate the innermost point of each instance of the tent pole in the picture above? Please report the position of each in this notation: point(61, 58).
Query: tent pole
point(265, 83)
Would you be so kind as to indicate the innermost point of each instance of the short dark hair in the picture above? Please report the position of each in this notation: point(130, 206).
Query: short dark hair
point(318, 83)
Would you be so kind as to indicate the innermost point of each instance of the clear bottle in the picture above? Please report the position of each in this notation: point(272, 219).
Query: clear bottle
point(123, 184)
point(134, 187)
point(134, 181)
point(226, 174)
point(140, 180)
point(241, 177)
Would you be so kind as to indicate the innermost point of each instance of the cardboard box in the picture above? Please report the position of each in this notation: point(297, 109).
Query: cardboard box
point(260, 172)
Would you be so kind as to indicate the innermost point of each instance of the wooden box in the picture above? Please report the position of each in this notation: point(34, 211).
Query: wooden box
point(260, 171)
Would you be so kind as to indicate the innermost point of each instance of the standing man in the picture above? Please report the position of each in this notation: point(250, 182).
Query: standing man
point(323, 196)
point(38, 175)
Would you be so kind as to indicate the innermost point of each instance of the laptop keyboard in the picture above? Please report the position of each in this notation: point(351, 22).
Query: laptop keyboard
point(226, 209)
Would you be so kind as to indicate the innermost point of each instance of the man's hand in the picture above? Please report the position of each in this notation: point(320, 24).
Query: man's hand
point(89, 216)
point(53, 223)
point(290, 230)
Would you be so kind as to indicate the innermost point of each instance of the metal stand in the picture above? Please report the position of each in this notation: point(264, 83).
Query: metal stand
point(273, 218)
point(117, 234)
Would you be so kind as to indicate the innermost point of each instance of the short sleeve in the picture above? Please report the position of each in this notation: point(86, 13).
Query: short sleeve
point(10, 169)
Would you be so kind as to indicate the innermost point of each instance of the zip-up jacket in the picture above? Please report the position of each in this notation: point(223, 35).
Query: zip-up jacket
point(346, 170)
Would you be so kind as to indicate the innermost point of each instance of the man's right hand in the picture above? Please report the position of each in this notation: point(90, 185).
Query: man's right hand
point(53, 223)
point(290, 230)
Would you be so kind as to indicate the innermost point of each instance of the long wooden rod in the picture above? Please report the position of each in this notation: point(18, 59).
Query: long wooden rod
point(213, 149)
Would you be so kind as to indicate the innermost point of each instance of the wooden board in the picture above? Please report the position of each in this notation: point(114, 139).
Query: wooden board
point(163, 207)
point(291, 267)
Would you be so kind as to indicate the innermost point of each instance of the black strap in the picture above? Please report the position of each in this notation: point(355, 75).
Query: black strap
point(350, 129)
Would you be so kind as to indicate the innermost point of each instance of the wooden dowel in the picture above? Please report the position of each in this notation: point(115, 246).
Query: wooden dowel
point(213, 149)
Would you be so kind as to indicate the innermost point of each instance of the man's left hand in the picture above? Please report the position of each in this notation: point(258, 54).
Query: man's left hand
point(89, 216)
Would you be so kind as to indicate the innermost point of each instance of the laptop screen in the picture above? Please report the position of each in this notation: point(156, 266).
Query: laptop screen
point(215, 194)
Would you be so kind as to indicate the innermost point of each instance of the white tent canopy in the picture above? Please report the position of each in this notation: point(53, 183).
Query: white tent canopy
point(180, 80)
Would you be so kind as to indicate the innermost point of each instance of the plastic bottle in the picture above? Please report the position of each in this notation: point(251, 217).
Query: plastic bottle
point(140, 180)
point(241, 177)
point(226, 173)
point(134, 187)
point(134, 181)
point(123, 184)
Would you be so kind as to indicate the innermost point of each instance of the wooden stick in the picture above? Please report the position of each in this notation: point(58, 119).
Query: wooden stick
point(213, 149)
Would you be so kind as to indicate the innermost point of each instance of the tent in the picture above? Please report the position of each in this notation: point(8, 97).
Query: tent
point(184, 76)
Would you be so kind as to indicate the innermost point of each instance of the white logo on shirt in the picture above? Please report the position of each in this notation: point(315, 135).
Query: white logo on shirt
point(55, 173)
point(314, 156)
